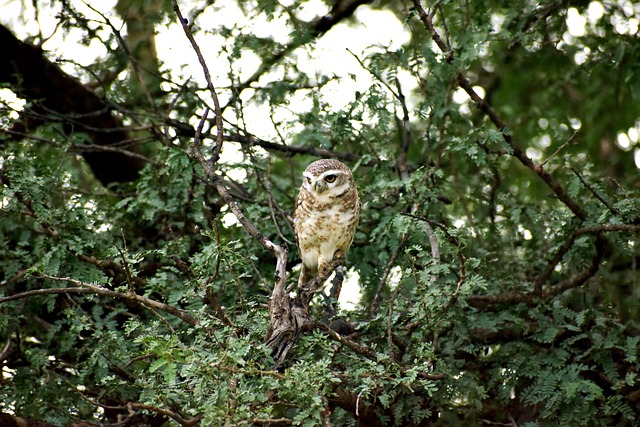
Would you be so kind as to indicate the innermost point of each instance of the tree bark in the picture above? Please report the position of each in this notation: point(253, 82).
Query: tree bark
point(56, 96)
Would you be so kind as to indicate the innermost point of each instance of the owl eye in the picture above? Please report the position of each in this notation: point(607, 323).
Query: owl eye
point(330, 178)
point(308, 180)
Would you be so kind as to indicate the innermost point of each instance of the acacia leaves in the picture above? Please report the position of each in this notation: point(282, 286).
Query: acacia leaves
point(496, 255)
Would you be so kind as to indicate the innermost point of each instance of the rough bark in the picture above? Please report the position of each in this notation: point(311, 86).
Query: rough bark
point(56, 96)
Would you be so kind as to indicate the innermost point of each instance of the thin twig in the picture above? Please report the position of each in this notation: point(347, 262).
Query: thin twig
point(207, 76)
point(374, 74)
point(134, 62)
point(27, 203)
point(595, 192)
point(461, 280)
point(385, 276)
point(529, 298)
point(369, 352)
point(567, 142)
point(51, 291)
point(290, 150)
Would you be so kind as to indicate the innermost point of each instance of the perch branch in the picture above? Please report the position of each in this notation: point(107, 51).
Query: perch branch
point(289, 317)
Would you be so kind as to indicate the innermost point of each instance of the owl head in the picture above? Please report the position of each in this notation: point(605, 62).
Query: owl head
point(327, 178)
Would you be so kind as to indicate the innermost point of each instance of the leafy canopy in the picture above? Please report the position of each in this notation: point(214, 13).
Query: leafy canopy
point(496, 256)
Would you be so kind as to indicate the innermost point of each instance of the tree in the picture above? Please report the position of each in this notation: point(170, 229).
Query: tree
point(143, 218)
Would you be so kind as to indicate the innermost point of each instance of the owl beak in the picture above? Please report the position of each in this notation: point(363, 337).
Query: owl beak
point(319, 187)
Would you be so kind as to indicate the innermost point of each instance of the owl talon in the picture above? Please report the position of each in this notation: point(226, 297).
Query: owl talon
point(324, 270)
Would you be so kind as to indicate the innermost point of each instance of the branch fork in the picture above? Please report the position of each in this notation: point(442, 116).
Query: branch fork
point(290, 316)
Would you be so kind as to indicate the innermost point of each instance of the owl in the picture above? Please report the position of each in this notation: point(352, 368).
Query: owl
point(326, 215)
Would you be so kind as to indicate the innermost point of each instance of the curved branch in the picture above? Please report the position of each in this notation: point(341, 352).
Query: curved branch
point(51, 291)
point(90, 288)
point(207, 76)
point(289, 317)
point(551, 265)
point(342, 9)
point(531, 298)
point(185, 422)
point(248, 140)
point(278, 339)
point(483, 106)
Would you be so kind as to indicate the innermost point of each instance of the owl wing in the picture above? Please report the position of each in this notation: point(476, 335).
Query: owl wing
point(295, 216)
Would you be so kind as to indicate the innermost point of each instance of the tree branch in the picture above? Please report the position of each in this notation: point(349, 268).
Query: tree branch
point(99, 290)
point(342, 9)
point(37, 79)
point(290, 150)
point(595, 192)
point(551, 265)
point(207, 76)
point(529, 298)
point(483, 106)
point(385, 275)
point(51, 291)
point(289, 317)
point(286, 318)
point(185, 422)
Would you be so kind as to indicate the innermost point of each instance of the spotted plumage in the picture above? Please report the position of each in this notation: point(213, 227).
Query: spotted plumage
point(326, 215)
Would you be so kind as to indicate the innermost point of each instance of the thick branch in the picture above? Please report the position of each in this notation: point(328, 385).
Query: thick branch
point(289, 317)
point(37, 79)
point(279, 340)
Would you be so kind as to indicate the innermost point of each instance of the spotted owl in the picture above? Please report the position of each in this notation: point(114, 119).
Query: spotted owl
point(326, 215)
